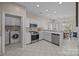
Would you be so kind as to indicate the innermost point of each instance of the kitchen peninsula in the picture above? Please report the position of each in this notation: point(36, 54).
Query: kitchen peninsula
point(51, 36)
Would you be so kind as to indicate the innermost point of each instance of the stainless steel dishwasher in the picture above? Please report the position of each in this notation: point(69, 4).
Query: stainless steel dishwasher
point(55, 38)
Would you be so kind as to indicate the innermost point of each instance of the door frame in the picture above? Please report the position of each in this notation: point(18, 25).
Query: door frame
point(3, 30)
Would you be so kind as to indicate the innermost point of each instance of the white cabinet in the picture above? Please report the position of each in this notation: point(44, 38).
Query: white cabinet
point(41, 35)
point(27, 38)
point(54, 37)
point(12, 20)
point(45, 35)
point(49, 37)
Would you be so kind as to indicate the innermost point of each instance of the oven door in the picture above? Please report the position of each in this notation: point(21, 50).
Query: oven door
point(34, 37)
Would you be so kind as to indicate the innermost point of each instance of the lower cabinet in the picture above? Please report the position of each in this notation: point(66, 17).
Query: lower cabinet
point(41, 35)
point(27, 38)
point(51, 37)
point(47, 36)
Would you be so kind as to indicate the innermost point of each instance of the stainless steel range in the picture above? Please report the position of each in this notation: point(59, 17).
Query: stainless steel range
point(34, 36)
point(34, 33)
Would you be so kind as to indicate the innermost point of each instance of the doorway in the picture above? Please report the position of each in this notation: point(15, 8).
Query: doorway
point(12, 32)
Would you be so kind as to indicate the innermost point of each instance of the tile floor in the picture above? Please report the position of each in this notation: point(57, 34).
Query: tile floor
point(43, 48)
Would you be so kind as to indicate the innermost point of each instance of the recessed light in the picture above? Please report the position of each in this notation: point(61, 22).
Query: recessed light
point(38, 6)
point(46, 10)
point(60, 3)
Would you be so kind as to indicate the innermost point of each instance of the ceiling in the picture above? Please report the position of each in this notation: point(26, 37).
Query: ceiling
point(50, 9)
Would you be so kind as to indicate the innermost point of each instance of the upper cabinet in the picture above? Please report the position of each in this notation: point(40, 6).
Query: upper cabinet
point(54, 25)
point(12, 20)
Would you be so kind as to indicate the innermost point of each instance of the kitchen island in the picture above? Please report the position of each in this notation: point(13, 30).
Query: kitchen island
point(55, 37)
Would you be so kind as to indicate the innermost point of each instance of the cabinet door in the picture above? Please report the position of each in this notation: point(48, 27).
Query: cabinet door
point(12, 20)
point(41, 35)
point(47, 36)
point(27, 38)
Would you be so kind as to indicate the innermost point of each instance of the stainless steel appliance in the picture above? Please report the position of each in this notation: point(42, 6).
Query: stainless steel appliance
point(15, 36)
point(33, 25)
point(55, 39)
point(34, 36)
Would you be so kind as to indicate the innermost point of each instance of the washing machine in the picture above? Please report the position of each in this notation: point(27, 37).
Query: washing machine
point(15, 36)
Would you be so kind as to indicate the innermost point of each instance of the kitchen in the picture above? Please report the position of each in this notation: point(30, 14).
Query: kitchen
point(48, 23)
point(48, 34)
point(43, 23)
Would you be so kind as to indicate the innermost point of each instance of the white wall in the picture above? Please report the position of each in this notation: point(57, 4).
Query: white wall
point(13, 8)
point(46, 23)
point(41, 22)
